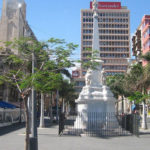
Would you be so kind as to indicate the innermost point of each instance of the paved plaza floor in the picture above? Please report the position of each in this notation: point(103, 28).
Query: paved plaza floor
point(49, 140)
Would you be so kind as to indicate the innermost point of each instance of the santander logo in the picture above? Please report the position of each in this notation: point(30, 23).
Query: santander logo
point(108, 5)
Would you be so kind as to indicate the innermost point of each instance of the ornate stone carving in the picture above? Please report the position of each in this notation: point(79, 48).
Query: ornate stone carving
point(102, 76)
point(95, 7)
point(88, 77)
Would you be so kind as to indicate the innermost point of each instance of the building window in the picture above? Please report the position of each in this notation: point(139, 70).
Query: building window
point(83, 73)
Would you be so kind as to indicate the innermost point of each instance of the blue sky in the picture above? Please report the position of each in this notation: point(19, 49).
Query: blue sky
point(61, 18)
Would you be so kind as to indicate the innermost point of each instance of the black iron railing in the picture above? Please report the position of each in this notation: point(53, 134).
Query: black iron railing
point(99, 124)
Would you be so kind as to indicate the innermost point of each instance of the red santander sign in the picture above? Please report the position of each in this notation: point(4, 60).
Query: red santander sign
point(75, 74)
point(108, 5)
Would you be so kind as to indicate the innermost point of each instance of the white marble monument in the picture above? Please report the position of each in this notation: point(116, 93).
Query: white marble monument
point(95, 97)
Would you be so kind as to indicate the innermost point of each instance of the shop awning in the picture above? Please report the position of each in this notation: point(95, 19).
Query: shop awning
point(7, 105)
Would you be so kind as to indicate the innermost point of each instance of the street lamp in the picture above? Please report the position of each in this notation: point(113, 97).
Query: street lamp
point(33, 138)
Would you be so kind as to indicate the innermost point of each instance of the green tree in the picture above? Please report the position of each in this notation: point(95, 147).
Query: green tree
point(116, 84)
point(19, 72)
point(138, 97)
point(91, 57)
point(146, 57)
point(146, 78)
point(48, 75)
point(67, 93)
point(134, 80)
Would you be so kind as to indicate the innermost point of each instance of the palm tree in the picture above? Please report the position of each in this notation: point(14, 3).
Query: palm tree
point(146, 57)
point(146, 80)
point(133, 79)
point(116, 84)
point(138, 80)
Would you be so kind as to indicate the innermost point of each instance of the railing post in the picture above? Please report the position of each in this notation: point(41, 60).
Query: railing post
point(125, 122)
point(61, 123)
point(133, 124)
point(137, 124)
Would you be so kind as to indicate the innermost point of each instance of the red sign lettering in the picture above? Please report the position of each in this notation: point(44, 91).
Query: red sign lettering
point(75, 74)
point(108, 5)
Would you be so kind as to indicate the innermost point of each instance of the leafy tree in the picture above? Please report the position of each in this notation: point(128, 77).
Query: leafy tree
point(134, 79)
point(116, 84)
point(67, 93)
point(146, 78)
point(138, 97)
point(146, 57)
point(91, 57)
point(48, 75)
point(19, 72)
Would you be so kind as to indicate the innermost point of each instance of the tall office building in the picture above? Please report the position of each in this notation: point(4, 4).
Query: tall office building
point(114, 35)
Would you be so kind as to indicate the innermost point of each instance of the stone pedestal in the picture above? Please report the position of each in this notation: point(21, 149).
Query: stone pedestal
point(95, 106)
point(95, 101)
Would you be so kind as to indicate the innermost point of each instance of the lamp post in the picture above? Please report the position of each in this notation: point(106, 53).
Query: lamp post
point(42, 124)
point(57, 108)
point(20, 101)
point(34, 138)
point(144, 116)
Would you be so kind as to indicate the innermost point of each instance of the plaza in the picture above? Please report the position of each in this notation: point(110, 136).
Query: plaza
point(49, 140)
point(44, 106)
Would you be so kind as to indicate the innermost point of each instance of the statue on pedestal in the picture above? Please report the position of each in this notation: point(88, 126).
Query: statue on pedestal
point(103, 76)
point(88, 77)
point(95, 7)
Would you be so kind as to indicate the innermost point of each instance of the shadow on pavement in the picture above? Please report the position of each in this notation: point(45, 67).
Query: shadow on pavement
point(144, 133)
point(11, 128)
point(17, 126)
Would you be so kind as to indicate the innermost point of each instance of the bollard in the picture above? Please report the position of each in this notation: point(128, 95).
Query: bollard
point(33, 145)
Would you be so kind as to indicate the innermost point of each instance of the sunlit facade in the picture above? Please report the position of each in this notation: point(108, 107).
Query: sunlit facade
point(114, 35)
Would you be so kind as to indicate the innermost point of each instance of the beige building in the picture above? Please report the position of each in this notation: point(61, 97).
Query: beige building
point(13, 22)
point(114, 39)
point(114, 35)
point(13, 25)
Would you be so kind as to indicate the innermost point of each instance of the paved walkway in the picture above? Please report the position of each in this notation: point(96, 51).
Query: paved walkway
point(49, 140)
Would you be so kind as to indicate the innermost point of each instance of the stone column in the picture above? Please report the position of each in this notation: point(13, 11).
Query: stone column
point(42, 124)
